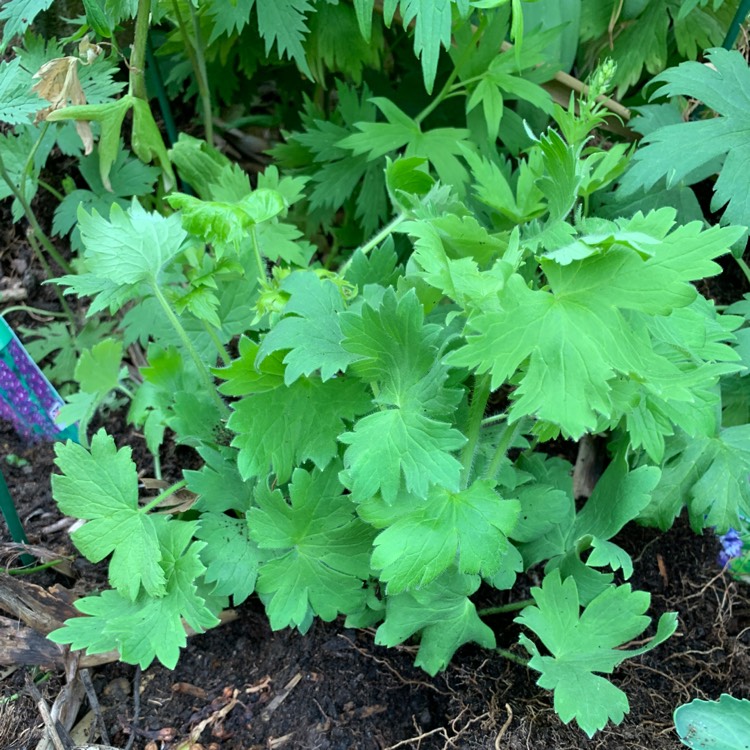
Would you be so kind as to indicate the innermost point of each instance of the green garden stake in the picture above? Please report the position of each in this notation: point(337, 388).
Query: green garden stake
point(11, 518)
point(30, 403)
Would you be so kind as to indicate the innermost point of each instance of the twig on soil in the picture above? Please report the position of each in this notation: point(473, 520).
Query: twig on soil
point(214, 718)
point(136, 706)
point(88, 686)
point(281, 697)
point(504, 727)
point(419, 738)
point(53, 731)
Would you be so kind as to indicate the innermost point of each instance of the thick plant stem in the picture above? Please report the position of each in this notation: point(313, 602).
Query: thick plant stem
point(198, 63)
point(262, 272)
point(482, 387)
point(138, 53)
point(510, 656)
point(505, 442)
point(203, 372)
point(176, 487)
point(203, 85)
point(502, 608)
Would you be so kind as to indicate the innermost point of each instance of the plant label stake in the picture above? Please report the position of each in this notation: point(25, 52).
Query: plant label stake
point(27, 399)
point(30, 403)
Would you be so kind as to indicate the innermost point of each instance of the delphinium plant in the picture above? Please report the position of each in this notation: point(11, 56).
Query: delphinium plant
point(370, 345)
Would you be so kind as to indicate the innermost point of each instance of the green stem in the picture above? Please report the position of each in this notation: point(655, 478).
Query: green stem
point(52, 191)
point(33, 569)
point(31, 218)
point(510, 656)
point(506, 440)
point(745, 268)
point(202, 79)
point(385, 232)
point(28, 167)
point(29, 309)
point(176, 487)
point(126, 391)
point(502, 608)
point(441, 95)
point(48, 273)
point(479, 397)
point(467, 82)
point(157, 464)
point(220, 348)
point(198, 64)
point(203, 372)
point(494, 419)
point(262, 272)
point(138, 53)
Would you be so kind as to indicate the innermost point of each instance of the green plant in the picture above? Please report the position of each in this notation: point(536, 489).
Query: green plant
point(424, 289)
point(721, 725)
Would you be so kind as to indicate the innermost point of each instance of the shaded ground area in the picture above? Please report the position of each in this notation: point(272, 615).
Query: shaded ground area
point(243, 686)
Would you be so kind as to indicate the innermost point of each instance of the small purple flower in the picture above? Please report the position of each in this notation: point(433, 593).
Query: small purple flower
point(731, 546)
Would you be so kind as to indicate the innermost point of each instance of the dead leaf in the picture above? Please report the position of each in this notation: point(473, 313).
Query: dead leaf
point(59, 84)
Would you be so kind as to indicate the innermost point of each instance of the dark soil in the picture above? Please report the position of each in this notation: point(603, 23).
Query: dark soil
point(333, 689)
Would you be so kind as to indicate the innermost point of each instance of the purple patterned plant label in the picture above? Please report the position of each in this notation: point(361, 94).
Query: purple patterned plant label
point(27, 399)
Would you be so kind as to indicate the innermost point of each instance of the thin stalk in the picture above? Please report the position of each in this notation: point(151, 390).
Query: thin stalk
point(198, 64)
point(262, 272)
point(385, 232)
point(126, 391)
point(494, 419)
point(137, 65)
point(441, 95)
point(203, 85)
point(479, 397)
point(52, 191)
point(30, 310)
point(502, 608)
point(33, 569)
point(220, 348)
point(203, 372)
point(48, 272)
point(744, 266)
point(28, 167)
point(157, 464)
point(506, 440)
point(466, 82)
point(31, 218)
point(510, 656)
point(176, 487)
